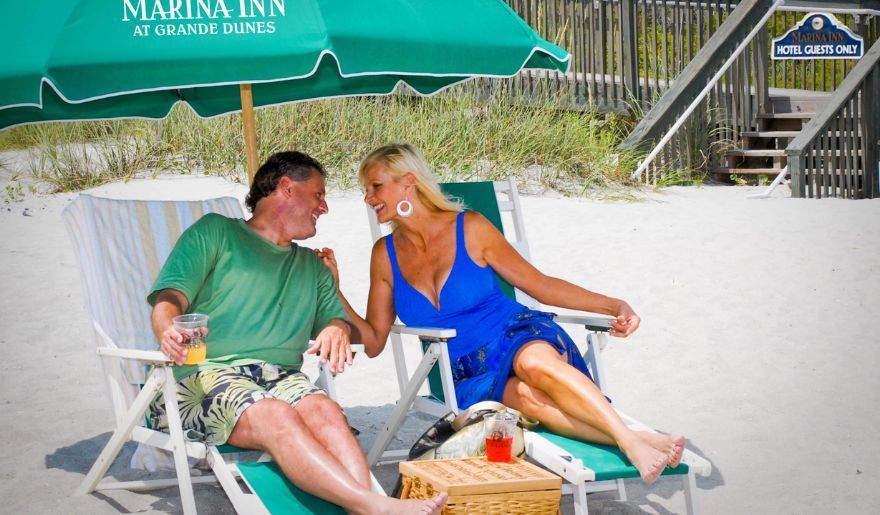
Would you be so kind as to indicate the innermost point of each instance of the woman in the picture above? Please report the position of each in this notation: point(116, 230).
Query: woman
point(437, 269)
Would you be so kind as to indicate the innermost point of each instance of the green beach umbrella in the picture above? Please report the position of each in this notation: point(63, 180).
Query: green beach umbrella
point(99, 59)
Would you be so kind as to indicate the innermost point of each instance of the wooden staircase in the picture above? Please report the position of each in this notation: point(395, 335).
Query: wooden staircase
point(762, 151)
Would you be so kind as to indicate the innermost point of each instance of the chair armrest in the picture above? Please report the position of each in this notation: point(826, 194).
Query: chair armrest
point(148, 356)
point(425, 333)
point(598, 324)
point(159, 358)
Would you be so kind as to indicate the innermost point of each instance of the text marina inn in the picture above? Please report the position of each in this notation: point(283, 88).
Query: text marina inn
point(153, 10)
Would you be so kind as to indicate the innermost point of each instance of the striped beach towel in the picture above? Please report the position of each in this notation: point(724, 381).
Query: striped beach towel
point(120, 246)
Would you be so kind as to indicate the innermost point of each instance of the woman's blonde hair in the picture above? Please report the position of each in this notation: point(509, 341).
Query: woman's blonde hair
point(402, 158)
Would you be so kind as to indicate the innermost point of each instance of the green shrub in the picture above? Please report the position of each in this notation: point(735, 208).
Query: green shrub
point(465, 133)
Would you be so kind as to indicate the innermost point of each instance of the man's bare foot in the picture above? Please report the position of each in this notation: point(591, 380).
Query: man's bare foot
point(671, 445)
point(392, 506)
point(436, 505)
point(649, 461)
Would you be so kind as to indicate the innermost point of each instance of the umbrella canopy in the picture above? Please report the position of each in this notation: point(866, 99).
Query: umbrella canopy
point(94, 59)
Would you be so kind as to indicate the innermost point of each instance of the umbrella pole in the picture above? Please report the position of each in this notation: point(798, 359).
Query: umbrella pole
point(250, 131)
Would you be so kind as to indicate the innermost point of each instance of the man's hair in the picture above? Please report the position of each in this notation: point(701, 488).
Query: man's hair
point(296, 166)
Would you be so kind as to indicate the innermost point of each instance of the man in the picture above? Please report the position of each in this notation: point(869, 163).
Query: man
point(266, 297)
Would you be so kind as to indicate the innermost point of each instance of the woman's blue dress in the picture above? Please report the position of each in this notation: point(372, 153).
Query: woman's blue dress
point(490, 326)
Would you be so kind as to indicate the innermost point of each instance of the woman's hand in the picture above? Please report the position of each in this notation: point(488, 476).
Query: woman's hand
point(329, 259)
point(626, 322)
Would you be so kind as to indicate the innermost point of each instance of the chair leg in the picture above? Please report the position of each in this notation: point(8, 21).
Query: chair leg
point(383, 439)
point(325, 380)
point(175, 429)
point(376, 487)
point(621, 490)
point(446, 379)
point(690, 490)
point(242, 502)
point(593, 356)
point(579, 496)
point(122, 433)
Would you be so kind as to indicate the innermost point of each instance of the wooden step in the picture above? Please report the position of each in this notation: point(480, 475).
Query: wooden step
point(770, 134)
point(786, 116)
point(772, 152)
point(749, 171)
point(790, 134)
point(766, 152)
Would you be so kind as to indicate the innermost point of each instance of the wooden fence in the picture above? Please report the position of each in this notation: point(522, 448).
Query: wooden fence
point(837, 156)
point(625, 53)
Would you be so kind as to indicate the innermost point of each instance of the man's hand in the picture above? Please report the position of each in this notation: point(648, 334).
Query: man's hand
point(169, 304)
point(333, 346)
point(171, 343)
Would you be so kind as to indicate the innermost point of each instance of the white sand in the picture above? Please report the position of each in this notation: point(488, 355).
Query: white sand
point(759, 342)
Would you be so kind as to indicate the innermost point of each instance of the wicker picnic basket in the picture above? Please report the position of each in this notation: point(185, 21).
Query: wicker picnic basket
point(475, 485)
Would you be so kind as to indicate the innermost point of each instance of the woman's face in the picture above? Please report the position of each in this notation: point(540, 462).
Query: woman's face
point(383, 192)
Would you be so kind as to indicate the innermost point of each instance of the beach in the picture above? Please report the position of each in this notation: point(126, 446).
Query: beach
point(758, 342)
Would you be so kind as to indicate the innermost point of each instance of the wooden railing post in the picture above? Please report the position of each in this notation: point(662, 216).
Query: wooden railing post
point(871, 134)
point(630, 49)
point(796, 169)
point(762, 88)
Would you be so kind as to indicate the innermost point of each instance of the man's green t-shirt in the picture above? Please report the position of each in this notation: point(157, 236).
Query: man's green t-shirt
point(264, 301)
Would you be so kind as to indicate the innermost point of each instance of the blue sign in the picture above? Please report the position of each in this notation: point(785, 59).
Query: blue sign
point(818, 36)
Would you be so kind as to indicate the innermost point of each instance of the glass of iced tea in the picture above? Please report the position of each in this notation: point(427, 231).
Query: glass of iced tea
point(193, 328)
point(499, 435)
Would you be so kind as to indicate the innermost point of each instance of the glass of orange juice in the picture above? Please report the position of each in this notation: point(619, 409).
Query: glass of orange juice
point(193, 328)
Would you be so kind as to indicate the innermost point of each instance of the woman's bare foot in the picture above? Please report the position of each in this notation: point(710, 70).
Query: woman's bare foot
point(649, 461)
point(392, 506)
point(671, 445)
point(678, 452)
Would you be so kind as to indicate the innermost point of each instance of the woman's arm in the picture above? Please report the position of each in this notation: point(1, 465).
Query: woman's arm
point(380, 303)
point(497, 252)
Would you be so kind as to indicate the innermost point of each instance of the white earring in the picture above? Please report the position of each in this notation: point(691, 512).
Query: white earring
point(404, 208)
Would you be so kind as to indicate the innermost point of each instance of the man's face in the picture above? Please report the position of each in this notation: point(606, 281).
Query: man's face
point(307, 203)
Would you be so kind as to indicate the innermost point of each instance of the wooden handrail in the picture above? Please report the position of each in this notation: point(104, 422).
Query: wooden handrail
point(695, 75)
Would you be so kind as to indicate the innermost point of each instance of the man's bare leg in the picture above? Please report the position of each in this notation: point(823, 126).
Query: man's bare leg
point(275, 427)
point(539, 365)
point(325, 419)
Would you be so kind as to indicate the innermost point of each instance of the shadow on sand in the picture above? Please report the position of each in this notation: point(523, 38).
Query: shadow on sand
point(79, 457)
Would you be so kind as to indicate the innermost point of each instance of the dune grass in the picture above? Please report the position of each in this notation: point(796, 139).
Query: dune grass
point(464, 133)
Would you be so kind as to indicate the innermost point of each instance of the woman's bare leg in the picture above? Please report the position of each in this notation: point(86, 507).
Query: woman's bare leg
point(275, 427)
point(537, 404)
point(539, 365)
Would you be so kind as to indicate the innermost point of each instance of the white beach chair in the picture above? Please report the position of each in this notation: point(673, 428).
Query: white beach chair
point(121, 246)
point(585, 467)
